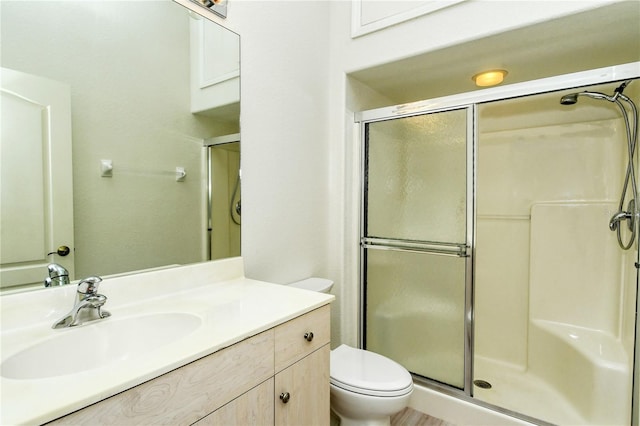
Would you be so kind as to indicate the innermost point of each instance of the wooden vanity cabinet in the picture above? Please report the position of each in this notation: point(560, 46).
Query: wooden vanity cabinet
point(280, 376)
point(302, 370)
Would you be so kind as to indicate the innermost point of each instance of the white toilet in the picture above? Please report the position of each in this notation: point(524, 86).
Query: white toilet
point(366, 388)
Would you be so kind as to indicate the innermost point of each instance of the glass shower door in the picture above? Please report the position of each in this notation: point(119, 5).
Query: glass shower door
point(415, 242)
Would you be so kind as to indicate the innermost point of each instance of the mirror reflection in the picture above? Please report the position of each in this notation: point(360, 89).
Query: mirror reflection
point(109, 110)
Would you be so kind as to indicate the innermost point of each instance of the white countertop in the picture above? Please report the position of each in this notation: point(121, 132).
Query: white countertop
point(229, 306)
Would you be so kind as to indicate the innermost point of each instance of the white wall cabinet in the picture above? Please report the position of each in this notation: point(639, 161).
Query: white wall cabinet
point(369, 16)
point(239, 385)
point(215, 67)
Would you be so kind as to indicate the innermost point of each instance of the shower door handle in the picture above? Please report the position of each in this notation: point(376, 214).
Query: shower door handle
point(439, 248)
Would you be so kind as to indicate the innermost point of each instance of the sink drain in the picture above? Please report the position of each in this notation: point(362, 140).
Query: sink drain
point(482, 384)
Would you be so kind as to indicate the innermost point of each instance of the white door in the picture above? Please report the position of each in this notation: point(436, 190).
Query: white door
point(36, 205)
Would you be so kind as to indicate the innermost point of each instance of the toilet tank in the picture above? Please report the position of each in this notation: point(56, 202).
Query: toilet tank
point(321, 285)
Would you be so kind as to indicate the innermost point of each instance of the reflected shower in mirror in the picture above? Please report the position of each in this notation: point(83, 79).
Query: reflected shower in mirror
point(224, 196)
point(104, 104)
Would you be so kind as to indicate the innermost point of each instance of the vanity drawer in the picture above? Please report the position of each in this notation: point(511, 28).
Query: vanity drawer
point(189, 393)
point(299, 337)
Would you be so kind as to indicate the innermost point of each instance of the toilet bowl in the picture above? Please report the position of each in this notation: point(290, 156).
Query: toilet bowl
point(367, 388)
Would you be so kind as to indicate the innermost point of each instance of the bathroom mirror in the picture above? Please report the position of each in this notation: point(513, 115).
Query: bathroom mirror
point(130, 91)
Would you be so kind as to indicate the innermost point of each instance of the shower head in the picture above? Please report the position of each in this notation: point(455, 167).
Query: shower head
point(569, 99)
point(572, 98)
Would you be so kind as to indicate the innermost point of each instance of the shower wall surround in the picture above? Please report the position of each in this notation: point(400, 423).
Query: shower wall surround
point(552, 324)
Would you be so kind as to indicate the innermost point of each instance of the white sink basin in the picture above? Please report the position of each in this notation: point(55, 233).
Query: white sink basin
point(78, 349)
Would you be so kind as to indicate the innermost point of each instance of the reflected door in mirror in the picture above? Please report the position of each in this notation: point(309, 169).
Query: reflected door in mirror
point(36, 178)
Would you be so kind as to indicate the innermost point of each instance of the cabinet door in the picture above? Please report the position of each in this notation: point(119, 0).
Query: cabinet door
point(254, 408)
point(215, 66)
point(302, 391)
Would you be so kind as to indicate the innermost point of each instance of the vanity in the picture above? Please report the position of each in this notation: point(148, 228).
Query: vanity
point(193, 344)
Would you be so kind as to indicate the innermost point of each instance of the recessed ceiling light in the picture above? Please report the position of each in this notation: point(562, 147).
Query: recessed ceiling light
point(489, 78)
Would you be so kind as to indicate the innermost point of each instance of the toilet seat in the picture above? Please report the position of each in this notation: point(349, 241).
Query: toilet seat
point(368, 373)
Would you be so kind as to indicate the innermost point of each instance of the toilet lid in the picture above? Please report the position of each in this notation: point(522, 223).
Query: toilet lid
point(368, 373)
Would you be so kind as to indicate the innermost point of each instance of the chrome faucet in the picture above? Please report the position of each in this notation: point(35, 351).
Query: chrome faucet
point(87, 306)
point(58, 275)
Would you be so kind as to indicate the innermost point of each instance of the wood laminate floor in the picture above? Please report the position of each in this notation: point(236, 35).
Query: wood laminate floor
point(406, 417)
point(411, 417)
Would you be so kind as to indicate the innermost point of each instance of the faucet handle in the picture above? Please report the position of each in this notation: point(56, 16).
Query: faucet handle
point(58, 275)
point(56, 270)
point(89, 285)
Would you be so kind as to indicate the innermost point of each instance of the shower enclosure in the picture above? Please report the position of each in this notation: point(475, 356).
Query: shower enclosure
point(489, 266)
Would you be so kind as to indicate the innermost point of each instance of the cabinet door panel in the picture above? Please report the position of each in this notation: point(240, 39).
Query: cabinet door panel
point(254, 408)
point(307, 383)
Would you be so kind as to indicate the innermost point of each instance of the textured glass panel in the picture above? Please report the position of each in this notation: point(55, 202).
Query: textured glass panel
point(415, 312)
point(416, 177)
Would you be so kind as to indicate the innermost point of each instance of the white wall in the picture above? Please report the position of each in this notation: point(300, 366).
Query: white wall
point(284, 152)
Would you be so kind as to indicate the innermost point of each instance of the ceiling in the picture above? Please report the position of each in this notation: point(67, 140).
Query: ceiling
point(605, 36)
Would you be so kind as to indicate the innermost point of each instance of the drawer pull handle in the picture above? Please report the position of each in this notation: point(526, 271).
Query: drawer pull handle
point(284, 397)
point(308, 336)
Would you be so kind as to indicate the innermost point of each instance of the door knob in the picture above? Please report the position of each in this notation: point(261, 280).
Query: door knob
point(308, 336)
point(62, 251)
point(284, 397)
